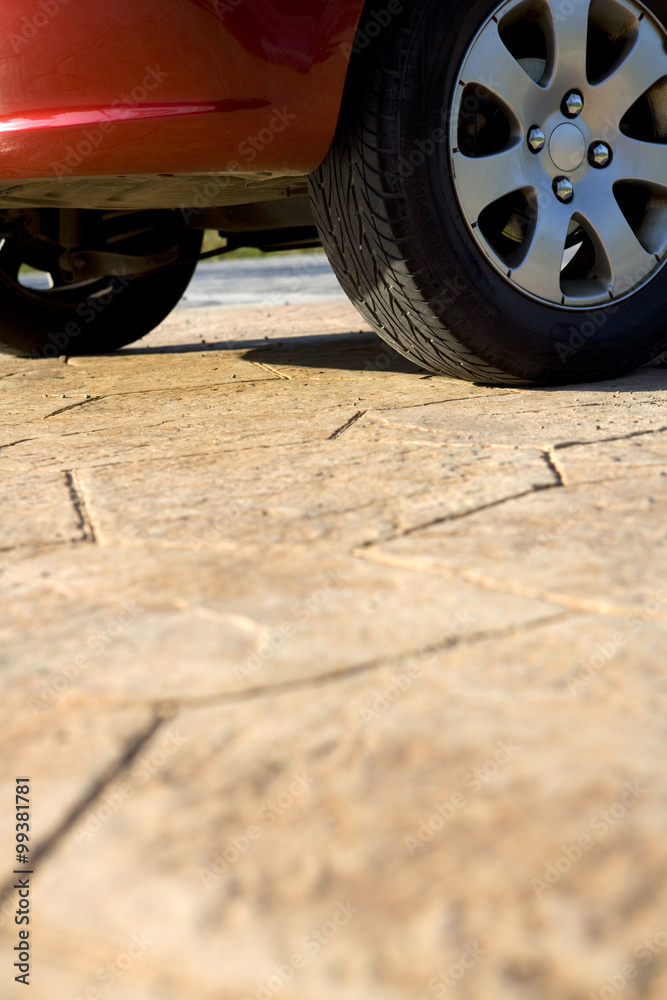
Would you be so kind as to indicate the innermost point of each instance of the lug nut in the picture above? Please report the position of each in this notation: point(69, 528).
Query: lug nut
point(536, 138)
point(599, 154)
point(563, 189)
point(573, 104)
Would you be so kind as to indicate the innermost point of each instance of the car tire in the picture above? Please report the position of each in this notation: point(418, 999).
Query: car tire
point(96, 317)
point(495, 199)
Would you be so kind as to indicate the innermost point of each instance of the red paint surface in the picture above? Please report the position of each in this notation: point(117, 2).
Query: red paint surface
point(93, 87)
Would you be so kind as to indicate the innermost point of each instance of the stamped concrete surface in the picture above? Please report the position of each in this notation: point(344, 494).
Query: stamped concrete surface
point(333, 679)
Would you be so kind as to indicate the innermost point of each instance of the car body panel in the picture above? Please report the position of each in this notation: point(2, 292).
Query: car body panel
point(92, 88)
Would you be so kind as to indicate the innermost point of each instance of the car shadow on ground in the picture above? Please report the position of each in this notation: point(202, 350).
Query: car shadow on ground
point(366, 352)
point(352, 351)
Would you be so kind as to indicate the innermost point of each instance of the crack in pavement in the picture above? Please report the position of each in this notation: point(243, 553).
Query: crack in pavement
point(73, 406)
point(129, 753)
point(77, 498)
point(12, 444)
point(166, 708)
point(58, 434)
point(348, 423)
point(448, 399)
point(551, 464)
point(607, 440)
point(168, 388)
point(337, 675)
point(175, 456)
point(31, 548)
point(101, 430)
point(459, 515)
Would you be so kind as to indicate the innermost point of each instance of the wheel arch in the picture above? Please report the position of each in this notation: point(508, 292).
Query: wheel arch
point(370, 22)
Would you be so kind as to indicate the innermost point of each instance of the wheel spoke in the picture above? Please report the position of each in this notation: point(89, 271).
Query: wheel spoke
point(491, 65)
point(627, 260)
point(570, 30)
point(645, 162)
point(539, 273)
point(481, 180)
point(644, 65)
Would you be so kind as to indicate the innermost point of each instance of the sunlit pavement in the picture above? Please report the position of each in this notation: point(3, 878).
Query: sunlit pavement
point(333, 679)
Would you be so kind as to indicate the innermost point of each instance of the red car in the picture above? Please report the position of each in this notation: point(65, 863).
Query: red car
point(489, 180)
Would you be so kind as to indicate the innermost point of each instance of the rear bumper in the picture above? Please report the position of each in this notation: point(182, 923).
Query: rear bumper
point(103, 88)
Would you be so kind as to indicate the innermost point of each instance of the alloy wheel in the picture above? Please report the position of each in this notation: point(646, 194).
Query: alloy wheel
point(558, 147)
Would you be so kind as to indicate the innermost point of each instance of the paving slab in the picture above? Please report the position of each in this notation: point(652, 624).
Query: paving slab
point(593, 547)
point(224, 621)
point(333, 679)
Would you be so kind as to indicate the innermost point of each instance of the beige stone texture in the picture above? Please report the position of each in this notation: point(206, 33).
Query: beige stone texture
point(334, 680)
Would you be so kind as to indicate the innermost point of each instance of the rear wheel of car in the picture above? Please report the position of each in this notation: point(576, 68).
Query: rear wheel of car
point(495, 200)
point(133, 273)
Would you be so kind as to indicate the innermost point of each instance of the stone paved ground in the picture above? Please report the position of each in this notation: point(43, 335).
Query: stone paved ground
point(333, 679)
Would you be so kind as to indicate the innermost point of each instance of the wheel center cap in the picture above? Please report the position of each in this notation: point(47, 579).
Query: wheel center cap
point(567, 147)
